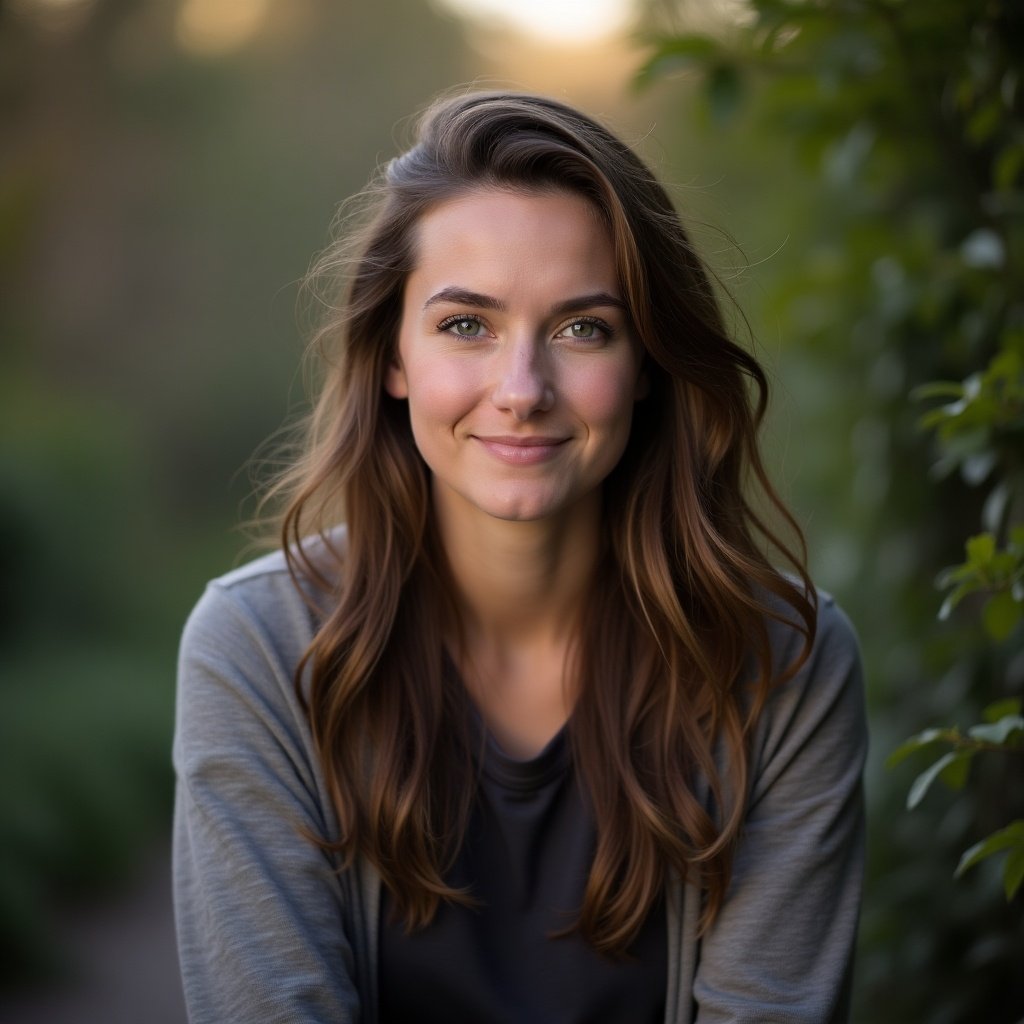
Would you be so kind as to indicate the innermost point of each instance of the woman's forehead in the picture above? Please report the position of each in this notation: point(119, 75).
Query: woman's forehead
point(499, 242)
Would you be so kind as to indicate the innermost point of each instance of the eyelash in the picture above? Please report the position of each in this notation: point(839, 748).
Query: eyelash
point(605, 328)
point(462, 318)
point(607, 331)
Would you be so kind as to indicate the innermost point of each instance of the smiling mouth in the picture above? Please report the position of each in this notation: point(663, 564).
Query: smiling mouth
point(522, 451)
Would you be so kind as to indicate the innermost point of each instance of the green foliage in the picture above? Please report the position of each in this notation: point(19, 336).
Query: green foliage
point(993, 571)
point(895, 134)
point(1010, 839)
point(85, 785)
point(1002, 730)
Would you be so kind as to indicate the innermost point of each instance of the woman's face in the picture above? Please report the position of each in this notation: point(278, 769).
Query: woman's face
point(515, 354)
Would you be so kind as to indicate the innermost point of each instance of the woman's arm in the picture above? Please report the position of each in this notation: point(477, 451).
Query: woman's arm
point(781, 949)
point(262, 914)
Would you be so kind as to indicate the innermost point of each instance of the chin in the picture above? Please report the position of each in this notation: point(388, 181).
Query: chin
point(515, 506)
point(513, 503)
point(524, 508)
point(519, 513)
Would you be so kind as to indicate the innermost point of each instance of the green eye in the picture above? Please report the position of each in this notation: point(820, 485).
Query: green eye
point(583, 330)
point(467, 328)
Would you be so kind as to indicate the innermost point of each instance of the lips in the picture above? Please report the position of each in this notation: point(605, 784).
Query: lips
point(520, 450)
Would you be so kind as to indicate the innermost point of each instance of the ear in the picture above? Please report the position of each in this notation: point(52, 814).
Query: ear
point(395, 383)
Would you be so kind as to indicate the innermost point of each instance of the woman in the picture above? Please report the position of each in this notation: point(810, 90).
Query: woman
point(541, 734)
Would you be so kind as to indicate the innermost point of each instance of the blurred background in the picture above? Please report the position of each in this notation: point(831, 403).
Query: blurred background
point(853, 171)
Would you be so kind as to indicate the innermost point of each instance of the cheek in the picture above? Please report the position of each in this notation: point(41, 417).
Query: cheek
point(439, 395)
point(606, 399)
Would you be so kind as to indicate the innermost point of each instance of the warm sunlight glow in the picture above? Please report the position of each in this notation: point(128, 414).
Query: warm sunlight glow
point(214, 27)
point(53, 15)
point(59, 5)
point(562, 21)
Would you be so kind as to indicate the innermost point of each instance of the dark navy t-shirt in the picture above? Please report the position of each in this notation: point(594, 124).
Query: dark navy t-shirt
point(525, 859)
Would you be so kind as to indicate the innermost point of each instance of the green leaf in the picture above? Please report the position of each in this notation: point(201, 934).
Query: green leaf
point(1008, 166)
point(953, 574)
point(983, 124)
point(1006, 838)
point(937, 389)
point(980, 549)
point(918, 742)
point(1002, 566)
point(1013, 872)
point(676, 53)
point(999, 731)
point(954, 775)
point(1001, 614)
point(937, 417)
point(943, 767)
point(953, 599)
point(1001, 708)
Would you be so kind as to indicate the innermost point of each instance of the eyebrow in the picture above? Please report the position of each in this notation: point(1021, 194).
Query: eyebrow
point(464, 297)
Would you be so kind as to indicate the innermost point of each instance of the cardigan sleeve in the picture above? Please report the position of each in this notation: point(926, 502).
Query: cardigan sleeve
point(781, 949)
point(260, 909)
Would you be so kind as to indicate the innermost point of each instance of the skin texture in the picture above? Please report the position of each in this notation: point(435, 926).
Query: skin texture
point(520, 371)
point(482, 390)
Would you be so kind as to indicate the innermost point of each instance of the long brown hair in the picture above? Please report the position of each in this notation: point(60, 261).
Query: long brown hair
point(673, 660)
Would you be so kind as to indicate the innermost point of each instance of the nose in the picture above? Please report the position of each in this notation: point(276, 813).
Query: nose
point(524, 385)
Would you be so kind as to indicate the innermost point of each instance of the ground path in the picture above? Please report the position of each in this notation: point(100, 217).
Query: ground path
point(126, 963)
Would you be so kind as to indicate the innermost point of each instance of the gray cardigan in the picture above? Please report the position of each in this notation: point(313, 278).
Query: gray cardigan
point(270, 930)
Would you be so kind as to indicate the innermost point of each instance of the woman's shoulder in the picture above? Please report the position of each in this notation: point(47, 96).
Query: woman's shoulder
point(834, 635)
point(239, 653)
point(272, 602)
point(826, 687)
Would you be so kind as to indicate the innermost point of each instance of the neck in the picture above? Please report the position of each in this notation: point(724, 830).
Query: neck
point(521, 582)
point(521, 587)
